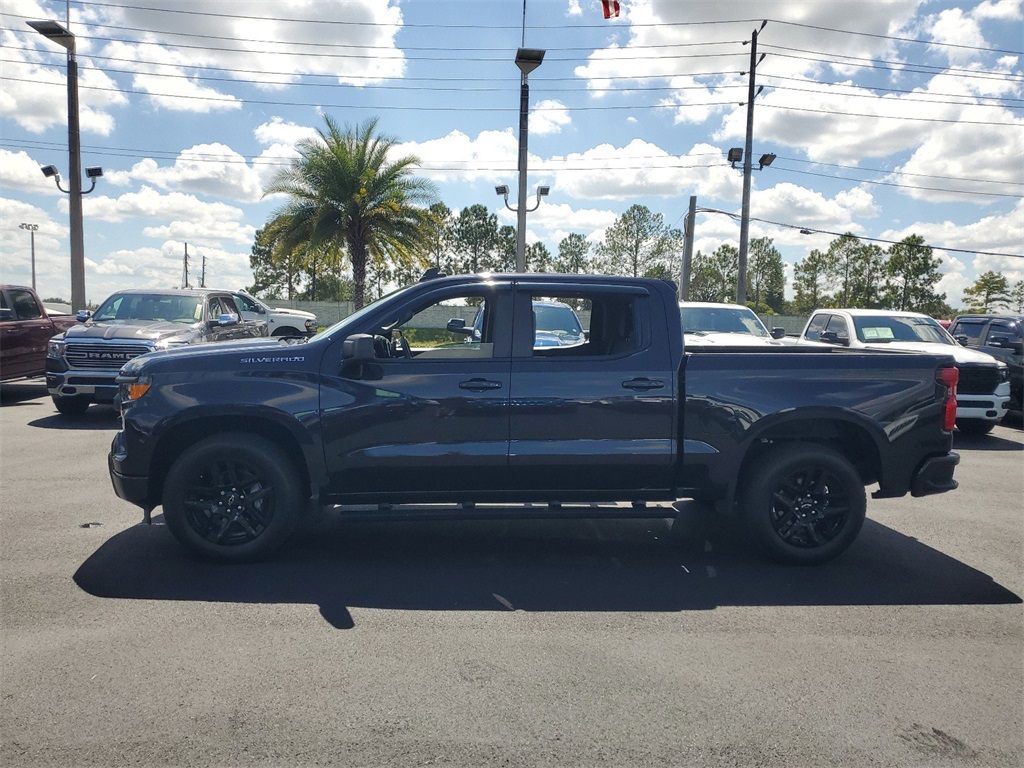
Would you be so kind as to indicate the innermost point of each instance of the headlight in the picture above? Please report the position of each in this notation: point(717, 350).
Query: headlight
point(1004, 373)
point(311, 325)
point(169, 344)
point(138, 388)
point(55, 349)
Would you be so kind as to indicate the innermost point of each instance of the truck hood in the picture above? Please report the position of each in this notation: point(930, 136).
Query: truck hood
point(243, 352)
point(960, 354)
point(293, 313)
point(156, 330)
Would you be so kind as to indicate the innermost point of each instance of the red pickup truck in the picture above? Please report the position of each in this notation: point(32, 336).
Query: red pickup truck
point(25, 329)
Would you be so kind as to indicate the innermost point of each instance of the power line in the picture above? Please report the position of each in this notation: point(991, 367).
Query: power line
point(811, 230)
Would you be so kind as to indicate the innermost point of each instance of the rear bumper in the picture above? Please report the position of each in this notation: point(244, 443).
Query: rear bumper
point(935, 475)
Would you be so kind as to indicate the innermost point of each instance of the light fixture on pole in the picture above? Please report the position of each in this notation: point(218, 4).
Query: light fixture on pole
point(527, 59)
point(542, 191)
point(60, 34)
point(32, 236)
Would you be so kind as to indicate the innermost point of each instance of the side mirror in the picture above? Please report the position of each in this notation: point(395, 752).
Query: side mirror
point(6, 314)
point(961, 340)
point(82, 315)
point(228, 318)
point(458, 325)
point(358, 348)
point(778, 333)
point(831, 337)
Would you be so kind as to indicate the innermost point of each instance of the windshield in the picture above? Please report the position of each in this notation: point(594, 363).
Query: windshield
point(557, 318)
point(128, 307)
point(722, 320)
point(882, 329)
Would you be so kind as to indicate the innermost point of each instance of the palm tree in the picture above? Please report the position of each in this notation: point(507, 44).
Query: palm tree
point(345, 192)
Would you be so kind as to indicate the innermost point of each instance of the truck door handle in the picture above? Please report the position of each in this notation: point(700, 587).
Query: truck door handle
point(479, 385)
point(643, 384)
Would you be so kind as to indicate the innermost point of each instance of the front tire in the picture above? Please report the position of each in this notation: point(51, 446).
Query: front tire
point(232, 498)
point(975, 426)
point(71, 406)
point(804, 504)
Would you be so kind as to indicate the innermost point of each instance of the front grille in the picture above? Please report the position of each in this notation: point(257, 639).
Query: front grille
point(981, 380)
point(102, 357)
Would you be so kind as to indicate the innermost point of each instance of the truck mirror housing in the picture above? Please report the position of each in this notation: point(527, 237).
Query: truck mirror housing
point(82, 315)
point(778, 333)
point(458, 325)
point(6, 314)
point(228, 318)
point(358, 348)
point(831, 337)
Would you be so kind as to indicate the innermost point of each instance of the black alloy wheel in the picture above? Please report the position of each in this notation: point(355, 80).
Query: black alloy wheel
point(805, 504)
point(232, 498)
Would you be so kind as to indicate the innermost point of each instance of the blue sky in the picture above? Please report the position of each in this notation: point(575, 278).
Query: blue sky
point(888, 118)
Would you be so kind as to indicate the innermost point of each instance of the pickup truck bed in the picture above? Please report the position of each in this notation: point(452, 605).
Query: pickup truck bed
point(231, 439)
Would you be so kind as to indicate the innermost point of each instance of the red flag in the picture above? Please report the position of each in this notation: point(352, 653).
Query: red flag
point(610, 7)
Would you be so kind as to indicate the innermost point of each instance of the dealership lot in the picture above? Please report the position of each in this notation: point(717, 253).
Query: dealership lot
point(518, 643)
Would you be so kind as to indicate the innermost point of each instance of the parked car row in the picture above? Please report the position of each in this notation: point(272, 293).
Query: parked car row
point(81, 355)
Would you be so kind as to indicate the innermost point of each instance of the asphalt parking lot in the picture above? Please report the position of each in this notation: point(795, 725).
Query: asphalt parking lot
point(498, 642)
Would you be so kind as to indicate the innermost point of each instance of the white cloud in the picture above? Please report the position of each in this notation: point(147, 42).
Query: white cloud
point(1001, 10)
point(548, 116)
point(457, 157)
point(206, 169)
point(281, 131)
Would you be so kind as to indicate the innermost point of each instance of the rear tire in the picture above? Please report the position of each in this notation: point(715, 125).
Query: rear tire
point(975, 426)
point(804, 504)
point(71, 406)
point(232, 498)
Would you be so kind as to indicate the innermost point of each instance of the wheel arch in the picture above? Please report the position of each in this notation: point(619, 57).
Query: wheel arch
point(183, 434)
point(854, 437)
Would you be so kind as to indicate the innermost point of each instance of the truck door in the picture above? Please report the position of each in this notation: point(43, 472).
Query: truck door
point(597, 413)
point(26, 331)
point(429, 415)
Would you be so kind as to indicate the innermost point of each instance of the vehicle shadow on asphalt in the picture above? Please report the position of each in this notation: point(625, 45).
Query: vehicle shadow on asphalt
point(962, 442)
point(550, 565)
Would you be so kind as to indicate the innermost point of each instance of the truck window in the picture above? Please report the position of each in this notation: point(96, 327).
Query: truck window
point(601, 324)
point(454, 327)
point(968, 333)
point(24, 305)
point(816, 326)
point(1004, 328)
point(838, 325)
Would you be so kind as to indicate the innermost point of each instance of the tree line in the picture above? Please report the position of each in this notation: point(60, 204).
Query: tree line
point(357, 223)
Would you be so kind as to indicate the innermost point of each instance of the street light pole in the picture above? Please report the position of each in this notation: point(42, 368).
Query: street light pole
point(741, 281)
point(63, 37)
point(32, 236)
point(527, 59)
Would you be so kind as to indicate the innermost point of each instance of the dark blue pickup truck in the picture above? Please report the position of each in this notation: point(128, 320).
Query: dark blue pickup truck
point(404, 403)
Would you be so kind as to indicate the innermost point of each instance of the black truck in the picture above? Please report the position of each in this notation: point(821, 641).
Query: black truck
point(403, 403)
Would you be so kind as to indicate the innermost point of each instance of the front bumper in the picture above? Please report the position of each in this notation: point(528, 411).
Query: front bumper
point(984, 407)
point(101, 386)
point(131, 488)
point(935, 475)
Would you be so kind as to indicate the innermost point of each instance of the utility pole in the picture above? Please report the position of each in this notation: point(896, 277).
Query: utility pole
point(184, 282)
point(741, 280)
point(202, 276)
point(687, 265)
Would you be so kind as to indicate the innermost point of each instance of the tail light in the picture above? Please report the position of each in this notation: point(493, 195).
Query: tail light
point(948, 377)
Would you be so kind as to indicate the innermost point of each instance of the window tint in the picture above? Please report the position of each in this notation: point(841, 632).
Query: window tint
point(838, 325)
point(245, 304)
point(816, 326)
point(25, 307)
point(578, 324)
point(1004, 328)
point(968, 332)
